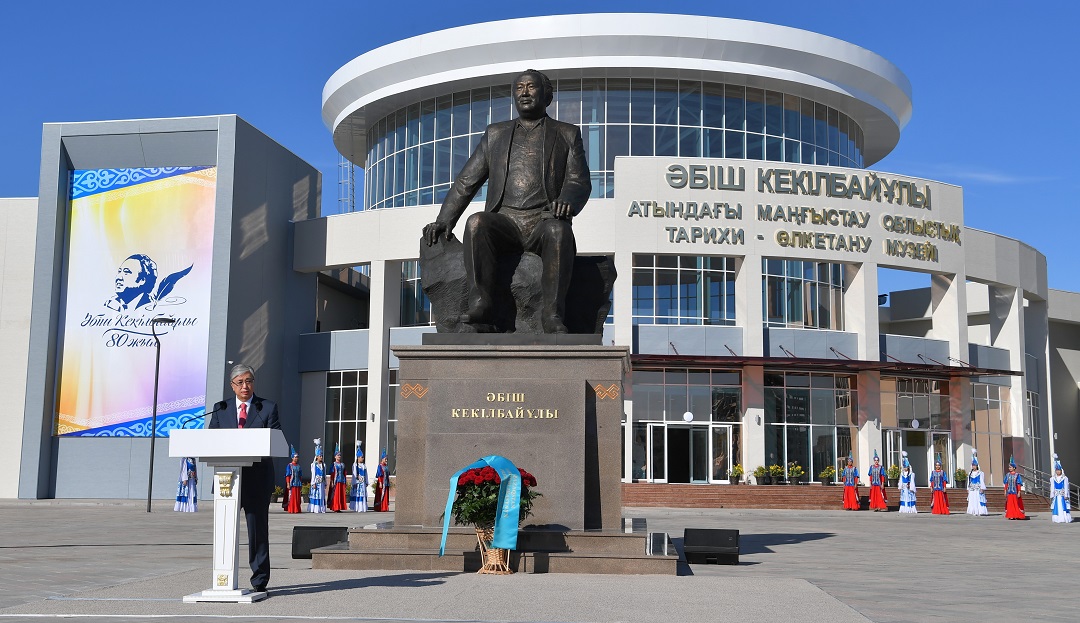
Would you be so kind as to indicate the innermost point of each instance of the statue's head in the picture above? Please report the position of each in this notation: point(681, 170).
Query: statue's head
point(532, 94)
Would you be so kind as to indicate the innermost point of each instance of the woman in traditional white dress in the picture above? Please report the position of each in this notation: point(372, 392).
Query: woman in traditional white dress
point(187, 493)
point(1059, 495)
point(907, 488)
point(976, 485)
point(358, 498)
point(317, 489)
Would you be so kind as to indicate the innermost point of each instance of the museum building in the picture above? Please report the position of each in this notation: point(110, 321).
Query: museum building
point(733, 187)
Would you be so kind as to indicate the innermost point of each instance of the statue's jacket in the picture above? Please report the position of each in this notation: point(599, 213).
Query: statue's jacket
point(566, 172)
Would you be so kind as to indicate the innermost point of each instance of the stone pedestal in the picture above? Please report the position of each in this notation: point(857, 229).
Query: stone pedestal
point(555, 411)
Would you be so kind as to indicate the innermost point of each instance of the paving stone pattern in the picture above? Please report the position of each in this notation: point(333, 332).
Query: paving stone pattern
point(113, 560)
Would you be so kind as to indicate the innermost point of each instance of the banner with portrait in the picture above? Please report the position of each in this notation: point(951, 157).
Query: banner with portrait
point(140, 246)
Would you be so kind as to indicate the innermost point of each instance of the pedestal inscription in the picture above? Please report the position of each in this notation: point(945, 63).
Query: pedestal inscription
point(554, 411)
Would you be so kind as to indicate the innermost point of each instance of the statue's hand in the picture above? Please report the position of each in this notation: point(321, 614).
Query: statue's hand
point(433, 231)
point(562, 210)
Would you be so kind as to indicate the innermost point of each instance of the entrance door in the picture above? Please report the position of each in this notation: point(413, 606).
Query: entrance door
point(721, 453)
point(917, 445)
point(678, 454)
point(656, 467)
point(699, 454)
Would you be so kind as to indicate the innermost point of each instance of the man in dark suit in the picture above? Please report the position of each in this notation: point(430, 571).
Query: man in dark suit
point(538, 180)
point(257, 481)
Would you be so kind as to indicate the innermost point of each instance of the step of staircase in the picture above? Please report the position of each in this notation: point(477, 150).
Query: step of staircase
point(539, 551)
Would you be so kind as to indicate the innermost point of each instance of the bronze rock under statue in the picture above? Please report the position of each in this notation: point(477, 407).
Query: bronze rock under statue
point(538, 180)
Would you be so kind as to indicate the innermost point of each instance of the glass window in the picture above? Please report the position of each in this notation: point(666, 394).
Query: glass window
point(618, 100)
point(641, 101)
point(755, 110)
point(713, 105)
point(689, 103)
point(641, 140)
point(689, 142)
point(568, 101)
point(480, 110)
point(592, 100)
point(735, 108)
point(667, 102)
point(671, 289)
point(667, 140)
point(774, 113)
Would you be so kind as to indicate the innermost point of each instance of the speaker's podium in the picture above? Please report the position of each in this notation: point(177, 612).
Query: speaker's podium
point(227, 450)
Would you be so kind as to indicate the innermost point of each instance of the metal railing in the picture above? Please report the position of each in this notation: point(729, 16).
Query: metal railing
point(1038, 482)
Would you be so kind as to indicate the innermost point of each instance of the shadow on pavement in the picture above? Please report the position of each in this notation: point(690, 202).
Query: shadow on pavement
point(763, 543)
point(404, 580)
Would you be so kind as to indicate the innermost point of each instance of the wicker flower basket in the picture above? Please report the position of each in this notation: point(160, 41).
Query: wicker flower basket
point(495, 559)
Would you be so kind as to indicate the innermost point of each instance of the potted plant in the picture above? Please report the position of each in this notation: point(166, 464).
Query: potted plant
point(305, 491)
point(960, 478)
point(776, 472)
point(827, 475)
point(795, 473)
point(277, 494)
point(761, 475)
point(476, 504)
point(892, 475)
point(735, 474)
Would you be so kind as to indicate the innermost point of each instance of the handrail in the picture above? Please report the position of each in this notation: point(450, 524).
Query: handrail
point(1038, 482)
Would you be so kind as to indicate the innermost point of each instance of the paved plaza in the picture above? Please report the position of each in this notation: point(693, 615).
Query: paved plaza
point(113, 561)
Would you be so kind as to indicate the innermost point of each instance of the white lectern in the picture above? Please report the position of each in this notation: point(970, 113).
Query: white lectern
point(227, 450)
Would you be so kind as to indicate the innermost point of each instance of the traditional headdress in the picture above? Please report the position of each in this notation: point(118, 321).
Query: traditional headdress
point(975, 458)
point(292, 451)
point(876, 457)
point(906, 464)
point(359, 452)
point(337, 448)
point(318, 447)
point(383, 454)
point(937, 461)
point(1012, 461)
point(1057, 463)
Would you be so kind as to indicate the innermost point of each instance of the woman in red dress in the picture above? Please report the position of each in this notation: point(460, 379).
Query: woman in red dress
point(338, 502)
point(878, 501)
point(939, 505)
point(1014, 505)
point(294, 476)
point(851, 485)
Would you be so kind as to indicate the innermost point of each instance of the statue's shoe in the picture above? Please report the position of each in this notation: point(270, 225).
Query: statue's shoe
point(553, 324)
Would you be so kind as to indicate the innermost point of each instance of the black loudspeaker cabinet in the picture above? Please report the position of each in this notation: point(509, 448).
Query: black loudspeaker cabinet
point(307, 538)
point(711, 546)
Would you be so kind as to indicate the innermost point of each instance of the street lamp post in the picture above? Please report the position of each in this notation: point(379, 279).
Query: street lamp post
point(153, 420)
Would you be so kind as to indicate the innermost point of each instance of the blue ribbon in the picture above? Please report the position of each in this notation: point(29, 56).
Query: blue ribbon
point(509, 509)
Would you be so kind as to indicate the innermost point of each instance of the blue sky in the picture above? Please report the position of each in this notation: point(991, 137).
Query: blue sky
point(994, 84)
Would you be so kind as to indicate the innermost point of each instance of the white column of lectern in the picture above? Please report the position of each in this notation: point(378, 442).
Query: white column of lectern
point(227, 450)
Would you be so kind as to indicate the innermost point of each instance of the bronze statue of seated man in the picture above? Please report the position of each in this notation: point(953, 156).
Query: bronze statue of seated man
point(538, 180)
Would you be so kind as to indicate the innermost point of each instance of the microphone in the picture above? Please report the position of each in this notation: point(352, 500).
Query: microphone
point(218, 406)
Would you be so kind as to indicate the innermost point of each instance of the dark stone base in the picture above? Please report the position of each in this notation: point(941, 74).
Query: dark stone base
point(554, 410)
point(518, 300)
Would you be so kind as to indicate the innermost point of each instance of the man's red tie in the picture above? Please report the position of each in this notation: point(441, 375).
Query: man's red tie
point(243, 414)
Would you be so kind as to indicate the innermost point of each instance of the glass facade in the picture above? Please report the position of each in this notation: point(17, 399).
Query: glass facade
point(989, 410)
point(415, 307)
point(684, 289)
point(346, 413)
point(802, 294)
point(811, 420)
point(414, 153)
point(666, 447)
